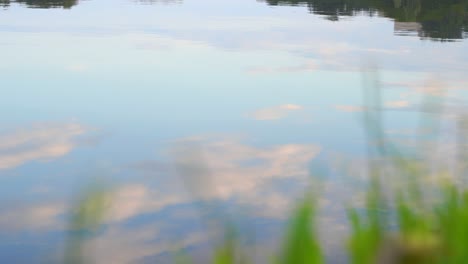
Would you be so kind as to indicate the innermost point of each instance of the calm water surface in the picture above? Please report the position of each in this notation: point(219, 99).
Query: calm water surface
point(253, 94)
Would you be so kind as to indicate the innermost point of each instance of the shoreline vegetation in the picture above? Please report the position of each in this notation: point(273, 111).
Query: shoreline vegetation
point(416, 222)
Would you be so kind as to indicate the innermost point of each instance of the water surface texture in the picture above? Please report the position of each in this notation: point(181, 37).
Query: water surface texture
point(197, 111)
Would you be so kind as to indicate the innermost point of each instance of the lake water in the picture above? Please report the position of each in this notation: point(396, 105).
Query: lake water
point(195, 111)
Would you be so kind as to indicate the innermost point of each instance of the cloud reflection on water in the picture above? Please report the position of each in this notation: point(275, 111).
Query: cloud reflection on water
point(241, 176)
point(35, 217)
point(276, 112)
point(40, 142)
point(265, 179)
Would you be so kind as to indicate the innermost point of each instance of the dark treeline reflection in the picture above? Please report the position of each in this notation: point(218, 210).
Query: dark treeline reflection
point(42, 3)
point(434, 19)
point(67, 4)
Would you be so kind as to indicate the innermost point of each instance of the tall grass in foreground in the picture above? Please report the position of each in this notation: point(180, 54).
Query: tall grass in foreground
point(414, 223)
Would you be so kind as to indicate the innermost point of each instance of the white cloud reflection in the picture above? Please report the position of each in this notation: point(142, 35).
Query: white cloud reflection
point(349, 108)
point(40, 142)
point(37, 217)
point(135, 199)
point(397, 104)
point(118, 245)
point(309, 66)
point(221, 170)
point(245, 173)
point(276, 112)
point(224, 169)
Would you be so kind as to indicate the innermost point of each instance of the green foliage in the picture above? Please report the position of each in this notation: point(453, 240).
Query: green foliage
point(229, 252)
point(86, 218)
point(434, 233)
point(301, 244)
point(226, 253)
point(90, 211)
point(426, 233)
point(367, 230)
point(452, 217)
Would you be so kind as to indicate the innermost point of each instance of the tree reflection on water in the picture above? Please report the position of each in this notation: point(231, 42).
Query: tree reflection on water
point(442, 20)
point(430, 19)
point(67, 4)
